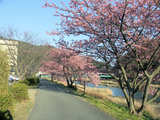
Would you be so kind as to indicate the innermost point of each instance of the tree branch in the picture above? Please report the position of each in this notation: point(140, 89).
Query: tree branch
point(156, 95)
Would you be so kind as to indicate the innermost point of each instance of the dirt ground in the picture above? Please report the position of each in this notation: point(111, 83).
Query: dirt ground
point(23, 109)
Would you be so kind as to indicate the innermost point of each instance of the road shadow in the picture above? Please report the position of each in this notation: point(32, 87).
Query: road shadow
point(57, 87)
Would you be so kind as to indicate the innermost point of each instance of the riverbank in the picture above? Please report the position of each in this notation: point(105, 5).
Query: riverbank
point(117, 111)
point(115, 106)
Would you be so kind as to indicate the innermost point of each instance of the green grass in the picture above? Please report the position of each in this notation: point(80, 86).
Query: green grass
point(117, 111)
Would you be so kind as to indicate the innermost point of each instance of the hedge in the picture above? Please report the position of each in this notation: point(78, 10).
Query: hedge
point(6, 101)
point(4, 73)
point(31, 81)
point(19, 91)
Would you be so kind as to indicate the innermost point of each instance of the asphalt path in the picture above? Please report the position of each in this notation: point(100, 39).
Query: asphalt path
point(54, 103)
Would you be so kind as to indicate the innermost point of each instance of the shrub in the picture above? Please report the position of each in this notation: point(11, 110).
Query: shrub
point(19, 91)
point(4, 73)
point(24, 82)
point(6, 99)
point(32, 81)
point(6, 115)
point(5, 102)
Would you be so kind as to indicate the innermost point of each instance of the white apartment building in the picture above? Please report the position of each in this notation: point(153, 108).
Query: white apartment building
point(11, 47)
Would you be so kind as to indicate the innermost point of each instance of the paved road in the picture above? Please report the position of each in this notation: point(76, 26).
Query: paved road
point(52, 103)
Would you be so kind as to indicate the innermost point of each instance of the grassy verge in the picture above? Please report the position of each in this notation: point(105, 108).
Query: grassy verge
point(22, 109)
point(118, 111)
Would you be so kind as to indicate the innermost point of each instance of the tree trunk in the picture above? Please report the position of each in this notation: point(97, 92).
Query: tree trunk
point(124, 92)
point(84, 91)
point(71, 85)
point(67, 82)
point(52, 77)
point(129, 99)
point(132, 106)
point(145, 96)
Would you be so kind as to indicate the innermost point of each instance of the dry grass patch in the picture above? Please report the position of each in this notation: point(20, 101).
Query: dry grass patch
point(152, 109)
point(22, 110)
point(96, 92)
point(99, 92)
point(106, 93)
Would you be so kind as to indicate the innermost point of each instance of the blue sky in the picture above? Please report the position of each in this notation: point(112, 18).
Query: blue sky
point(27, 15)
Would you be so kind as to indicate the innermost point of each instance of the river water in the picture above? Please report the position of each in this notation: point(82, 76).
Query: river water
point(115, 90)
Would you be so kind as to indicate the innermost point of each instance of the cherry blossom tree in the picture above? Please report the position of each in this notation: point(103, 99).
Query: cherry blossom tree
point(123, 32)
point(68, 63)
